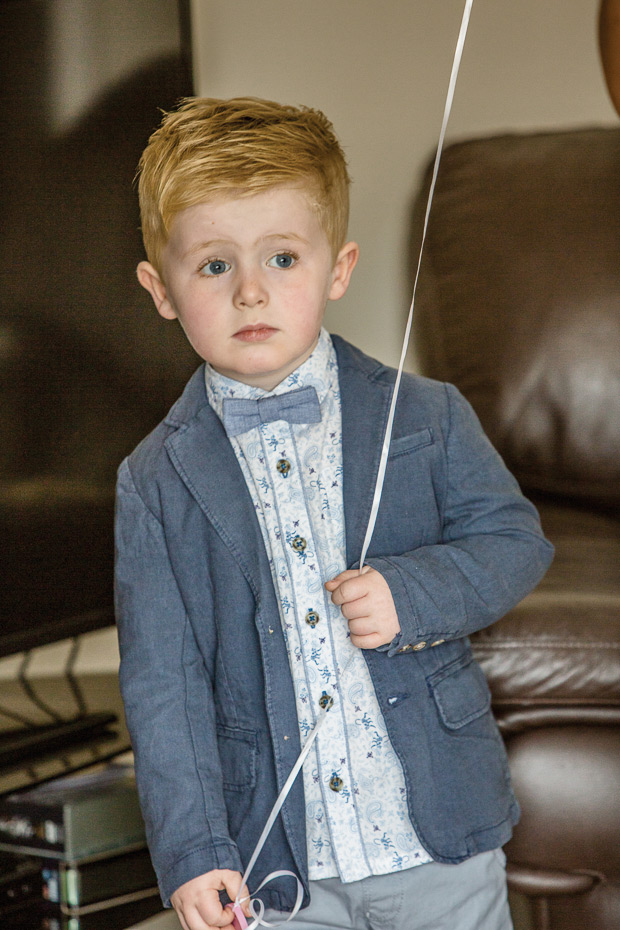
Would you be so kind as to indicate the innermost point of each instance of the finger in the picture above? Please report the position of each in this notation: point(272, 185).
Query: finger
point(244, 901)
point(243, 896)
point(347, 575)
point(355, 610)
point(195, 921)
point(352, 589)
point(335, 582)
point(209, 914)
point(231, 883)
point(371, 641)
point(362, 626)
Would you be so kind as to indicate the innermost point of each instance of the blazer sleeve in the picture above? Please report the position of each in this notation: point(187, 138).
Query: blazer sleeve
point(168, 702)
point(492, 552)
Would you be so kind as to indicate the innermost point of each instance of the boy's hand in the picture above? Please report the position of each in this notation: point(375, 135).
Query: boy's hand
point(367, 603)
point(198, 904)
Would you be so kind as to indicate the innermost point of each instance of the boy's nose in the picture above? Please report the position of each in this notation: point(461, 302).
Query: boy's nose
point(250, 292)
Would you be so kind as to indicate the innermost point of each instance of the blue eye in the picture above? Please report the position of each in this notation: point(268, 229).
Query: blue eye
point(216, 267)
point(282, 260)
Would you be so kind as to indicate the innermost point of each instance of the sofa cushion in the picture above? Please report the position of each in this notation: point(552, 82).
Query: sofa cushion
point(561, 645)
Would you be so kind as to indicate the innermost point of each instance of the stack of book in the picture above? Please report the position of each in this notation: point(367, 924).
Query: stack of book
point(73, 855)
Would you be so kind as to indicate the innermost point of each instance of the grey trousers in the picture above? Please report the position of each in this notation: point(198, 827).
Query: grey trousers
point(469, 896)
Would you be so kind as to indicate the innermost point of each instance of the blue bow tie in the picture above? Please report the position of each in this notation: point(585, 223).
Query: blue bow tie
point(298, 406)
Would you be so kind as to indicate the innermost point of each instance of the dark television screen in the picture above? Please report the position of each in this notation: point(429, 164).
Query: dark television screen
point(86, 366)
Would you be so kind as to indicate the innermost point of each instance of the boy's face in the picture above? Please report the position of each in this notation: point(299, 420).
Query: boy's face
point(249, 280)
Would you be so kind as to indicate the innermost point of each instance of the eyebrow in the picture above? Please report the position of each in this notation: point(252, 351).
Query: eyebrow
point(207, 245)
point(211, 243)
point(290, 235)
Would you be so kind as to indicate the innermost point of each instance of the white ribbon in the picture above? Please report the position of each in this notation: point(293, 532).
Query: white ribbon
point(390, 421)
point(256, 905)
point(275, 810)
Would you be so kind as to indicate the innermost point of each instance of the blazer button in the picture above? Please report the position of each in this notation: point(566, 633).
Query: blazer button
point(336, 783)
point(438, 642)
point(312, 618)
point(326, 701)
point(299, 544)
point(283, 466)
point(419, 646)
point(406, 648)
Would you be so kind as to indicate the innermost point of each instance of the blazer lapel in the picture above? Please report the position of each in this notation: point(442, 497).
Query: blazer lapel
point(365, 402)
point(205, 460)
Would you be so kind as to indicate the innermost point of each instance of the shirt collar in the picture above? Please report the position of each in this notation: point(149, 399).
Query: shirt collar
point(319, 370)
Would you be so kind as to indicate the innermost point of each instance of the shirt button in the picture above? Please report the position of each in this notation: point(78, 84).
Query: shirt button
point(419, 646)
point(336, 783)
point(283, 466)
point(312, 618)
point(299, 544)
point(326, 701)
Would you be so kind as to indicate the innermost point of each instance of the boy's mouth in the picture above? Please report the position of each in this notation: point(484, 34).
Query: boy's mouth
point(256, 332)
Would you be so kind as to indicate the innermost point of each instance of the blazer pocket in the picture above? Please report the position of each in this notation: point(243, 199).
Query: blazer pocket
point(461, 692)
point(403, 444)
point(237, 749)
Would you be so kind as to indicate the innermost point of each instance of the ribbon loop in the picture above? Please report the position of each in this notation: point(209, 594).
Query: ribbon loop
point(258, 908)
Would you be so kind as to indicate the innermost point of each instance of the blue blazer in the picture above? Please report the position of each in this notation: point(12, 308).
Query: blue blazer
point(204, 668)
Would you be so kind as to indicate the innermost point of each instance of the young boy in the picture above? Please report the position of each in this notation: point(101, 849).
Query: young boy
point(240, 521)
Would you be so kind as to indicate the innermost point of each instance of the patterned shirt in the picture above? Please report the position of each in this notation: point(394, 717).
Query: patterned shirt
point(357, 820)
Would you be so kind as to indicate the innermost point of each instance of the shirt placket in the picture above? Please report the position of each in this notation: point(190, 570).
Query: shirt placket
point(300, 506)
point(326, 775)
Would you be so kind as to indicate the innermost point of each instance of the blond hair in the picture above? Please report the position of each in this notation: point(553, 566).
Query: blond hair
point(209, 148)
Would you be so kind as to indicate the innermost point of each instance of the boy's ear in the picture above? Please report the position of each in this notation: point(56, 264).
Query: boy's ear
point(346, 261)
point(150, 279)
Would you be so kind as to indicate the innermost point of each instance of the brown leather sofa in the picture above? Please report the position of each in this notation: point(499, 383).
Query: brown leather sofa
point(519, 305)
point(609, 47)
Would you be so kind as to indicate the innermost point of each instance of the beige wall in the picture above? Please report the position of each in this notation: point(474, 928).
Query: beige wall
point(379, 69)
